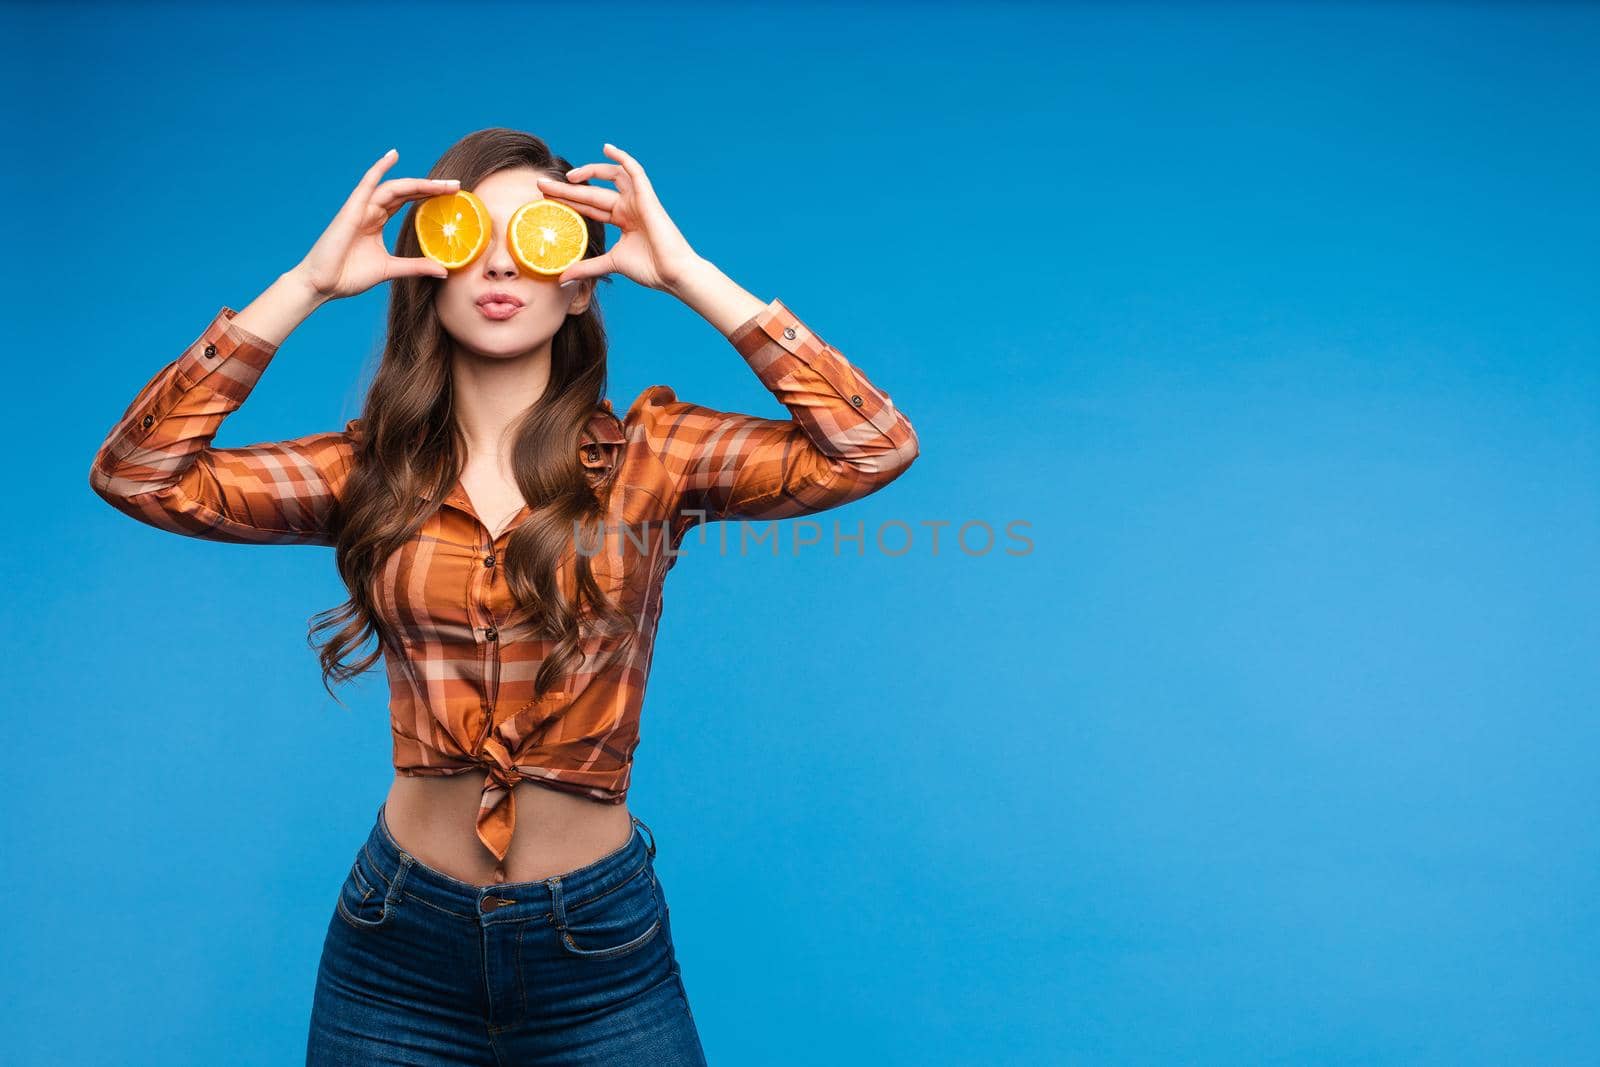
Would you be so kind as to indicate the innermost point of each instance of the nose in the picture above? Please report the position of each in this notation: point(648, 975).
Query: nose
point(497, 261)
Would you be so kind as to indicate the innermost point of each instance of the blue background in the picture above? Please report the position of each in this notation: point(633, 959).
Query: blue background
point(1277, 324)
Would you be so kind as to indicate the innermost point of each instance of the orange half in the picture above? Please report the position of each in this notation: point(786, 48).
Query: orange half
point(547, 237)
point(453, 229)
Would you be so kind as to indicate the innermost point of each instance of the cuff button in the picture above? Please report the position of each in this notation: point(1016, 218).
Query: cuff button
point(855, 398)
point(788, 332)
point(149, 420)
point(211, 350)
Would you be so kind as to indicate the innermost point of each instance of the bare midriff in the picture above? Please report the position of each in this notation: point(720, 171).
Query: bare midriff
point(435, 819)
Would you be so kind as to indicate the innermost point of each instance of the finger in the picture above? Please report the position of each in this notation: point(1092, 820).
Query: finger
point(630, 166)
point(639, 182)
point(396, 191)
point(606, 172)
point(593, 267)
point(420, 266)
point(598, 213)
point(573, 195)
point(356, 205)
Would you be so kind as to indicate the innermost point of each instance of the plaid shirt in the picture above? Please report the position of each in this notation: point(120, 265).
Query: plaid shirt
point(461, 688)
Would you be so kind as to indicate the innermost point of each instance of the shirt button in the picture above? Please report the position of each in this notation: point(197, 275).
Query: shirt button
point(491, 633)
point(211, 350)
point(488, 561)
point(788, 332)
point(855, 399)
point(148, 420)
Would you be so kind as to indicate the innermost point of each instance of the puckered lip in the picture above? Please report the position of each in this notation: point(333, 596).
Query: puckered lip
point(498, 296)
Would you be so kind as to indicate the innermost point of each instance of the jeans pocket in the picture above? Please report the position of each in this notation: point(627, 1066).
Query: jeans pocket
point(363, 898)
point(621, 920)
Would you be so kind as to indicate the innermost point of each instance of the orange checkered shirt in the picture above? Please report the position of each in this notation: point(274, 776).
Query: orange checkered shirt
point(461, 688)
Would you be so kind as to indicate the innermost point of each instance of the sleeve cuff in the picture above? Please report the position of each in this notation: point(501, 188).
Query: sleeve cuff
point(776, 344)
point(226, 358)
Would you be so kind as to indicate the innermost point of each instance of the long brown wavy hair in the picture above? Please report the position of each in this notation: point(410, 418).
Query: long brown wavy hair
point(409, 444)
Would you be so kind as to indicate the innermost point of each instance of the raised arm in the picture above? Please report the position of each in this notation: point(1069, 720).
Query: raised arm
point(846, 437)
point(157, 464)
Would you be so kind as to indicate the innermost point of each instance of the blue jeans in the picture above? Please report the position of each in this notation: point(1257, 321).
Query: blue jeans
point(420, 968)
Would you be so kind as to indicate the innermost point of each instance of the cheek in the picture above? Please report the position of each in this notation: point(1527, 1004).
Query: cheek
point(454, 294)
point(455, 312)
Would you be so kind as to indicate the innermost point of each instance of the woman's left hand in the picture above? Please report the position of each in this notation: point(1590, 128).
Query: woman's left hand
point(651, 251)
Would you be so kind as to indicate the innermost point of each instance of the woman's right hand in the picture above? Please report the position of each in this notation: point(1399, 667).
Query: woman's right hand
point(350, 256)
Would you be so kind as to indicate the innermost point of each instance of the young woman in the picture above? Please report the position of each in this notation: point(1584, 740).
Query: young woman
point(504, 534)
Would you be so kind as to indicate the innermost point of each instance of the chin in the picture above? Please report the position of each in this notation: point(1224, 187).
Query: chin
point(513, 337)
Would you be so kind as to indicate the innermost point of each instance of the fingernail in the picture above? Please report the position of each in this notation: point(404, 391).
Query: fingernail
point(569, 281)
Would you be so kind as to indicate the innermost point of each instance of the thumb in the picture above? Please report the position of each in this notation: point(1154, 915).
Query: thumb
point(422, 265)
point(593, 267)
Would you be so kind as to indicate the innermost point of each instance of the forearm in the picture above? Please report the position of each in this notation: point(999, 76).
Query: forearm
point(282, 306)
point(716, 297)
